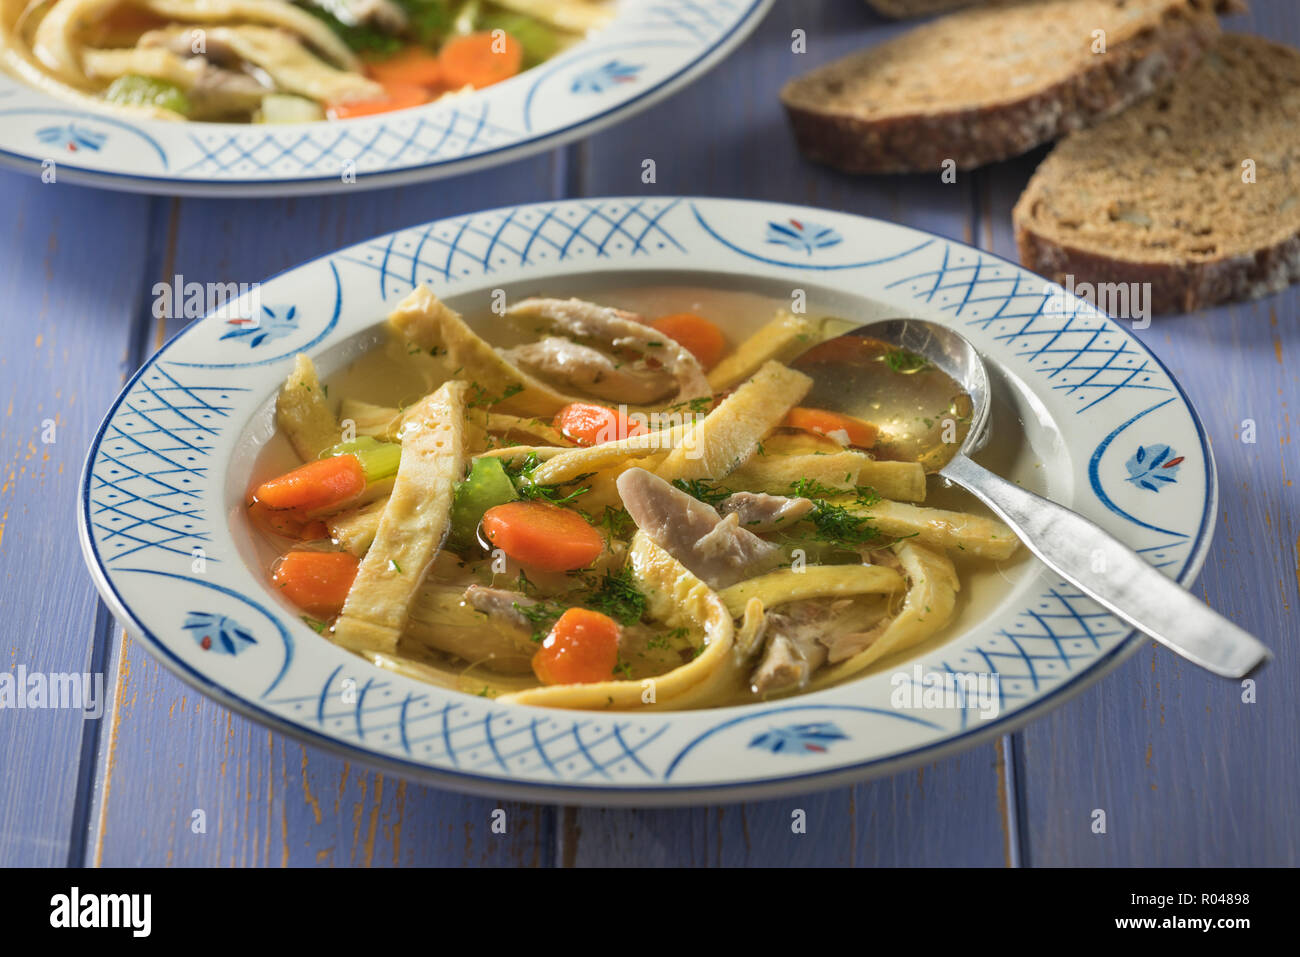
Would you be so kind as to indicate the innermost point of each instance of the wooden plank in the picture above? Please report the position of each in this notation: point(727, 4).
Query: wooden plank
point(726, 136)
point(65, 332)
point(268, 800)
point(1189, 773)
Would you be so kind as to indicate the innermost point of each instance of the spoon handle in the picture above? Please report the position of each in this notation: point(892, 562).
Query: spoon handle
point(1114, 575)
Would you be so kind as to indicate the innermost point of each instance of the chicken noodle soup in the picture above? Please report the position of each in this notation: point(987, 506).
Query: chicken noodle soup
point(607, 510)
point(275, 61)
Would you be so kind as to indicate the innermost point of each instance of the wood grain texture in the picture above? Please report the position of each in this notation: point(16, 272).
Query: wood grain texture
point(64, 348)
point(1187, 772)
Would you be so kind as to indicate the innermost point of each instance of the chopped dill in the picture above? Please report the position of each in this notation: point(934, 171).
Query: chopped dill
point(698, 489)
point(864, 495)
point(541, 616)
point(617, 596)
point(552, 493)
point(520, 473)
point(902, 361)
point(811, 488)
point(702, 404)
point(836, 525)
point(616, 521)
point(480, 398)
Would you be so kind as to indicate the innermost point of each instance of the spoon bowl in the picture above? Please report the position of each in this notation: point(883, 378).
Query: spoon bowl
point(921, 383)
point(926, 388)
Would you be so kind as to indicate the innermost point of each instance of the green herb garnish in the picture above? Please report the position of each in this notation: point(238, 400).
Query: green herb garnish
point(904, 362)
point(617, 596)
point(698, 489)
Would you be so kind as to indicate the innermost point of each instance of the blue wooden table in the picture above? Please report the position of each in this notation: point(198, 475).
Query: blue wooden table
point(1189, 769)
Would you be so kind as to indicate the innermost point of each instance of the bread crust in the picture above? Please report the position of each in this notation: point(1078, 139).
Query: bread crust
point(1175, 287)
point(922, 142)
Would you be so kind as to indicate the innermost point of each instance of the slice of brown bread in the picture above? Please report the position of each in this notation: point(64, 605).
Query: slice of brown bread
point(993, 82)
point(900, 9)
point(1159, 194)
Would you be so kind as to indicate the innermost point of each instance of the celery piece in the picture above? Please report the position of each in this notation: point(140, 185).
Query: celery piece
point(379, 460)
point(286, 108)
point(136, 90)
point(539, 41)
point(487, 485)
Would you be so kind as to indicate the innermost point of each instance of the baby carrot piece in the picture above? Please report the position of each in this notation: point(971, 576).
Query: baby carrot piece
point(480, 59)
point(842, 428)
point(581, 648)
point(286, 522)
point(325, 483)
point(587, 423)
point(414, 66)
point(542, 536)
point(397, 96)
point(317, 582)
point(697, 335)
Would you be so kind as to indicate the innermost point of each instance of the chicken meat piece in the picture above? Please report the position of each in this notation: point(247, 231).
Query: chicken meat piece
point(618, 331)
point(714, 549)
point(500, 605)
point(760, 512)
point(804, 635)
point(591, 371)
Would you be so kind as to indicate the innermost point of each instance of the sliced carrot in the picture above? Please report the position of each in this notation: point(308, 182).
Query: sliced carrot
point(700, 337)
point(542, 536)
point(587, 423)
point(480, 59)
point(286, 522)
point(844, 429)
point(317, 582)
point(582, 648)
point(414, 66)
point(397, 96)
point(325, 483)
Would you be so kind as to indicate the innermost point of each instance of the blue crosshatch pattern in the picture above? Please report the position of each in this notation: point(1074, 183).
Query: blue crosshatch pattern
point(502, 740)
point(520, 236)
point(151, 460)
point(690, 16)
point(410, 141)
point(1064, 338)
point(1062, 629)
point(145, 484)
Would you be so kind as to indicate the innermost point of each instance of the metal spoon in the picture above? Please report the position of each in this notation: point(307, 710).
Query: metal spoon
point(926, 387)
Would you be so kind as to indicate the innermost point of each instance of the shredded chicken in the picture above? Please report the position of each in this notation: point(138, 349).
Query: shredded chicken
point(620, 332)
point(716, 550)
point(760, 512)
point(803, 636)
point(592, 371)
point(502, 606)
